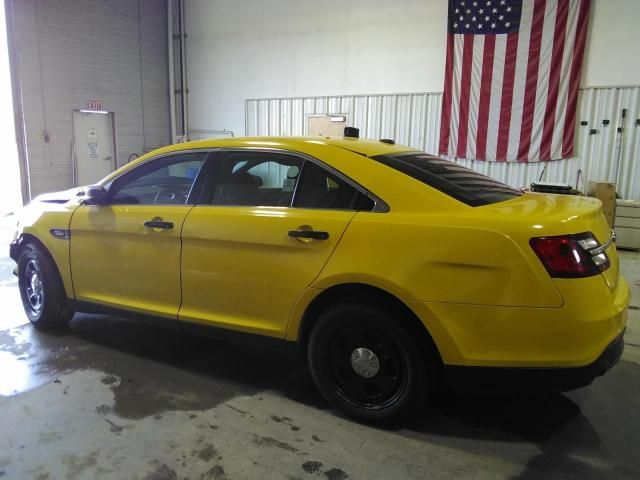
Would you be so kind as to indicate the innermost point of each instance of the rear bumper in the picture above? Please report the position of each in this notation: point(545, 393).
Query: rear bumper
point(574, 335)
point(501, 379)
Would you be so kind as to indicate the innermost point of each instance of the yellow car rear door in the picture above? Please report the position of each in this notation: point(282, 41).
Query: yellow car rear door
point(267, 227)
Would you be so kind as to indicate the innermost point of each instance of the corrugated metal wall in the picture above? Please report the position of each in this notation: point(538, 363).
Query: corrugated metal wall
point(71, 51)
point(414, 120)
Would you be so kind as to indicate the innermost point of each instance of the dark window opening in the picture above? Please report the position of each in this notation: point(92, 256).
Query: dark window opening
point(461, 183)
point(319, 188)
point(164, 181)
point(281, 180)
point(255, 179)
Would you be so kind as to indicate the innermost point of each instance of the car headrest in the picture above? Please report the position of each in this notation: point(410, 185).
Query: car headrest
point(293, 171)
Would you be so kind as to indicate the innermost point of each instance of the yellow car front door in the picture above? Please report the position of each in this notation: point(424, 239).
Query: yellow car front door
point(268, 227)
point(126, 253)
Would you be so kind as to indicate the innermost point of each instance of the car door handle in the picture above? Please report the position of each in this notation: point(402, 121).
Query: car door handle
point(312, 234)
point(159, 224)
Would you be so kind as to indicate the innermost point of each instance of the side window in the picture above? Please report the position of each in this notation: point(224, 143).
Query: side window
point(256, 179)
point(319, 188)
point(165, 181)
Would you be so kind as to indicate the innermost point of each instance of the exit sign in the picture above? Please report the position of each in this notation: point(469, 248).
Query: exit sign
point(94, 104)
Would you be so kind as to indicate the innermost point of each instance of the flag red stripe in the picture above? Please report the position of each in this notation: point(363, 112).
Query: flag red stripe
point(465, 90)
point(574, 82)
point(506, 102)
point(485, 96)
point(445, 120)
point(531, 83)
point(554, 80)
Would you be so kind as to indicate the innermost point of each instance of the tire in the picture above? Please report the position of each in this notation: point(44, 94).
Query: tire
point(41, 289)
point(367, 364)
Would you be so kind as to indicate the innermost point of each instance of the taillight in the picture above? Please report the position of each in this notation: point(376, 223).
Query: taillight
point(570, 256)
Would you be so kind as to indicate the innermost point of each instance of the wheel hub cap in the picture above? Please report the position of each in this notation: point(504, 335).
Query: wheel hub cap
point(36, 284)
point(364, 362)
point(34, 288)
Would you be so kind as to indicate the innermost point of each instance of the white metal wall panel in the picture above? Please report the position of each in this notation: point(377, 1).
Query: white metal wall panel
point(71, 51)
point(154, 73)
point(414, 120)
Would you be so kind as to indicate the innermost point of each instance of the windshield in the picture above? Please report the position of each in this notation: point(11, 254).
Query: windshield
point(458, 182)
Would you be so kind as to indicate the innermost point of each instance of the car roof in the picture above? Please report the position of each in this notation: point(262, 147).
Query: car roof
point(361, 146)
point(368, 148)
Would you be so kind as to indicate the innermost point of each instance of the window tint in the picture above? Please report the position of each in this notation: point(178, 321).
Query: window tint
point(165, 181)
point(256, 179)
point(459, 182)
point(319, 188)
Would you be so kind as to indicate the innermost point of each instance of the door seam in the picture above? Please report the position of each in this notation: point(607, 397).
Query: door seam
point(293, 307)
point(184, 220)
point(73, 285)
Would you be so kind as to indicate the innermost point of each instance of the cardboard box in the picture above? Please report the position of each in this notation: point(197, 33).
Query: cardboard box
point(606, 193)
point(628, 224)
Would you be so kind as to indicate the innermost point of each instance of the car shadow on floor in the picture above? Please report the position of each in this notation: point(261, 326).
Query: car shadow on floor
point(151, 370)
point(552, 434)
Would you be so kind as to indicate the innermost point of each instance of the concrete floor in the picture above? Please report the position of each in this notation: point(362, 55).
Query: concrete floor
point(113, 399)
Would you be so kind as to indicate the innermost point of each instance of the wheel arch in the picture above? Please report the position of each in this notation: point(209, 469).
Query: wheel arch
point(27, 238)
point(361, 292)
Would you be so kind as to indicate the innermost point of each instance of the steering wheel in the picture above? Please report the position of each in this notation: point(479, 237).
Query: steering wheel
point(170, 196)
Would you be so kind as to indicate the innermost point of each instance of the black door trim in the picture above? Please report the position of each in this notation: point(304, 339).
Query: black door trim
point(290, 348)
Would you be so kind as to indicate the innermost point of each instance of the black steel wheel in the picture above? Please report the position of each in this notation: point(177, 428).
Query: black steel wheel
point(41, 289)
point(368, 369)
point(366, 363)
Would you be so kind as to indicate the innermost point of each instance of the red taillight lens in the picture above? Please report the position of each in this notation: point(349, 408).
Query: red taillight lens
point(567, 256)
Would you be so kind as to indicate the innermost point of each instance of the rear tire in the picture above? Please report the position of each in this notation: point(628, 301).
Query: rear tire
point(367, 364)
point(41, 289)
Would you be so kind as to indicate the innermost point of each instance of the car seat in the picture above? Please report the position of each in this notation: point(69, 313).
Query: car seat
point(240, 188)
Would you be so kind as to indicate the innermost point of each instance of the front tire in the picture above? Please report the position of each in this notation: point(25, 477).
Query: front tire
point(41, 289)
point(367, 364)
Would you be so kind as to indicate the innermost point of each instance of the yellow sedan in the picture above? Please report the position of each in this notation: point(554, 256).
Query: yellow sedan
point(391, 270)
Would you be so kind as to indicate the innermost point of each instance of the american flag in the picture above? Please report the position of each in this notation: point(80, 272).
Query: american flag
point(511, 78)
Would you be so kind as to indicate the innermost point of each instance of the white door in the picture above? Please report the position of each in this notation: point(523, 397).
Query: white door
point(94, 146)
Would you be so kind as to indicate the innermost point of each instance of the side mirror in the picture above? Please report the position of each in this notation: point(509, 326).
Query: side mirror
point(95, 195)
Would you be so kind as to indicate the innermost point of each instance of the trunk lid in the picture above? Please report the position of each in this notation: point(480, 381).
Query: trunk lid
point(551, 214)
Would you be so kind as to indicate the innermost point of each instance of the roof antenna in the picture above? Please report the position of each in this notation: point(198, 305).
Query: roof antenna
point(351, 132)
point(542, 173)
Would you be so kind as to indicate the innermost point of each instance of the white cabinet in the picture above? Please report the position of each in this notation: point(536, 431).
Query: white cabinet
point(627, 224)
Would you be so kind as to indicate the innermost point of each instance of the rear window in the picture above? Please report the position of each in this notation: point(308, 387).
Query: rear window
point(458, 182)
